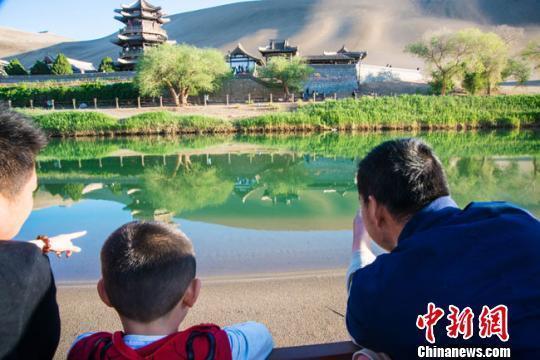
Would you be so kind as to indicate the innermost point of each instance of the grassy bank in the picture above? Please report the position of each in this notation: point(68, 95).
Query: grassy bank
point(383, 113)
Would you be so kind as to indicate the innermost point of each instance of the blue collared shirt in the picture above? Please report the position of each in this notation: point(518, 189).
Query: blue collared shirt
point(486, 254)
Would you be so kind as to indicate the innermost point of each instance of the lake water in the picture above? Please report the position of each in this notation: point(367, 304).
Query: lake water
point(251, 204)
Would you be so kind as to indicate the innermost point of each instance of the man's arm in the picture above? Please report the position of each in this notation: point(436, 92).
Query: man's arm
point(42, 334)
point(249, 341)
point(30, 313)
point(361, 254)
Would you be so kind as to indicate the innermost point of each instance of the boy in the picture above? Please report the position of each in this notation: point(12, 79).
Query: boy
point(148, 277)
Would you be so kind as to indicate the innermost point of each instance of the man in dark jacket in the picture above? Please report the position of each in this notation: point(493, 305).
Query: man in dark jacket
point(29, 318)
point(454, 282)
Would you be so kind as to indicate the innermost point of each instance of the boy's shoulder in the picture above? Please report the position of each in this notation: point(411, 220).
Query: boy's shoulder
point(113, 345)
point(84, 344)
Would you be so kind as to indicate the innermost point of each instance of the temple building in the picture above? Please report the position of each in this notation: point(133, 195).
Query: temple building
point(334, 73)
point(278, 48)
point(340, 57)
point(242, 62)
point(3, 65)
point(142, 30)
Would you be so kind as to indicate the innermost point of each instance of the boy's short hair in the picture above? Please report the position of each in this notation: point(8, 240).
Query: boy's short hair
point(404, 175)
point(146, 268)
point(20, 142)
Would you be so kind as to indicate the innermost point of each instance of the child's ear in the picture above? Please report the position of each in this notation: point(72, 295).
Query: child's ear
point(192, 293)
point(102, 293)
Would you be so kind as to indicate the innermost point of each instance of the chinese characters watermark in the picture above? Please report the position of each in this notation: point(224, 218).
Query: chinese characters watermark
point(491, 322)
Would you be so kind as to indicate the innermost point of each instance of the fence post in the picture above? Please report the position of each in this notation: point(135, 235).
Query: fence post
point(355, 96)
point(205, 100)
point(335, 96)
point(138, 102)
point(74, 102)
point(95, 103)
point(292, 98)
point(31, 103)
point(9, 103)
point(314, 97)
point(117, 103)
point(227, 99)
point(249, 98)
point(52, 104)
point(271, 98)
point(161, 101)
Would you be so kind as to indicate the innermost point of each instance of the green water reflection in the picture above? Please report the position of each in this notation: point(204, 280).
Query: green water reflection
point(242, 181)
point(251, 204)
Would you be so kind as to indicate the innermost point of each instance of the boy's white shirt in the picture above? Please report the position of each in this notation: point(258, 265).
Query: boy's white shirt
point(249, 341)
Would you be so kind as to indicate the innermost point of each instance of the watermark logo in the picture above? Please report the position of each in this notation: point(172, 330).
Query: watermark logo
point(461, 323)
point(428, 321)
point(494, 322)
point(491, 322)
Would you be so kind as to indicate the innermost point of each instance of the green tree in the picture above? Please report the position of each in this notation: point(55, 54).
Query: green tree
point(490, 57)
point(518, 69)
point(444, 54)
point(186, 188)
point(532, 53)
point(289, 74)
point(473, 82)
point(40, 68)
point(61, 66)
point(15, 68)
point(182, 70)
point(106, 65)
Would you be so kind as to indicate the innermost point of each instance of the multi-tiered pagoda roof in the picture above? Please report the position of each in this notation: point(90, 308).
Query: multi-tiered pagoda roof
point(142, 29)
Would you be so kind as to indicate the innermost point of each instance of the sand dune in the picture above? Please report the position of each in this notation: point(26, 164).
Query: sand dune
point(15, 42)
point(382, 28)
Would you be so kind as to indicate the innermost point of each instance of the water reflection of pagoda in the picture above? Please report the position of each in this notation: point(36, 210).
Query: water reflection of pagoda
point(143, 30)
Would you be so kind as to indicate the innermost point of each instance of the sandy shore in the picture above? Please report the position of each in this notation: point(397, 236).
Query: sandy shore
point(299, 308)
point(230, 112)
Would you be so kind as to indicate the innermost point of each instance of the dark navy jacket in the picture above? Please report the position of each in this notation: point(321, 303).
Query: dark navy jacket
point(487, 254)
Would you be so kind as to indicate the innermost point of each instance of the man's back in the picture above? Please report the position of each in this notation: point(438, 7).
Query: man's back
point(28, 310)
point(485, 255)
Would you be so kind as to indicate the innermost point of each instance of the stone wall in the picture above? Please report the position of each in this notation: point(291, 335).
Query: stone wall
point(333, 79)
point(242, 87)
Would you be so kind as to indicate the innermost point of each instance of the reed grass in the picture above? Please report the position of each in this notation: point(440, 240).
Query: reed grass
point(407, 112)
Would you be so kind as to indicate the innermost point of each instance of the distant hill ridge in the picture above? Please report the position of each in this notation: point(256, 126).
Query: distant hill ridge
point(381, 27)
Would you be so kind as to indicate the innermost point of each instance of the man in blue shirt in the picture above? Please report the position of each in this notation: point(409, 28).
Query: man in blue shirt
point(454, 282)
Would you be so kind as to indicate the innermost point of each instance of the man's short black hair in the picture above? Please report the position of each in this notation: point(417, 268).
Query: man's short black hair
point(20, 142)
point(404, 175)
point(147, 267)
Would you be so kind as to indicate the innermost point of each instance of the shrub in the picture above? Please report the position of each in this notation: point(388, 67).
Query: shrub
point(20, 95)
point(167, 123)
point(106, 65)
point(70, 123)
point(473, 82)
point(15, 68)
point(61, 66)
point(40, 68)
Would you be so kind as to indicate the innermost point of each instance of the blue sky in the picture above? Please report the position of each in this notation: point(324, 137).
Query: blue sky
point(81, 20)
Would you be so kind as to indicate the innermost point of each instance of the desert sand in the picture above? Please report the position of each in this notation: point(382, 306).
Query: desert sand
point(14, 42)
point(299, 308)
point(383, 28)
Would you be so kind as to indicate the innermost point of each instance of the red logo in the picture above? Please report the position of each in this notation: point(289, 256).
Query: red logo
point(461, 323)
point(429, 320)
point(494, 322)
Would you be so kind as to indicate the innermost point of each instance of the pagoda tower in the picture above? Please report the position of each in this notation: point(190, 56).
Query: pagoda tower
point(142, 30)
